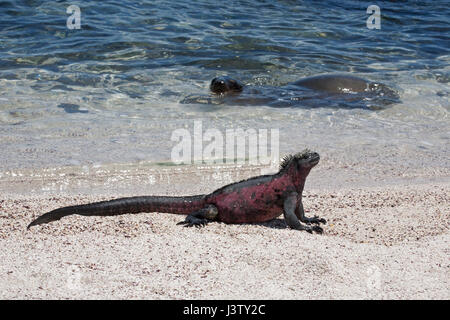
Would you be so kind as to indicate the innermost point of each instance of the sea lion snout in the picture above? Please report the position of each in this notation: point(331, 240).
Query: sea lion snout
point(224, 84)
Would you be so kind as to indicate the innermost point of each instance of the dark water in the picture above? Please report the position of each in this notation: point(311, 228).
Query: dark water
point(245, 38)
point(110, 91)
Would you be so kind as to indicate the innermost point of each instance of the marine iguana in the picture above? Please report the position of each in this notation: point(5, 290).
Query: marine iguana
point(328, 90)
point(257, 199)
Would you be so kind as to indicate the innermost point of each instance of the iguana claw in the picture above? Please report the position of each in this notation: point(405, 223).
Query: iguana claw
point(317, 229)
point(191, 221)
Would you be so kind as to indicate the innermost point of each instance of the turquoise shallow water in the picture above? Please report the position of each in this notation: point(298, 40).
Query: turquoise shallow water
point(110, 92)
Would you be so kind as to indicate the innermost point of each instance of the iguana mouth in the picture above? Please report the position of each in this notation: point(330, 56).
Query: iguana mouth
point(314, 158)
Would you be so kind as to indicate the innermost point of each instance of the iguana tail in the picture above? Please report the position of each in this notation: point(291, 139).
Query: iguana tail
point(178, 205)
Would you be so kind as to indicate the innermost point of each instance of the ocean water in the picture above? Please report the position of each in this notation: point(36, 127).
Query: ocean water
point(110, 91)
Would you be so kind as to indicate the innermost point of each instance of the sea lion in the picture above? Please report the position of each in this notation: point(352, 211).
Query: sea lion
point(333, 90)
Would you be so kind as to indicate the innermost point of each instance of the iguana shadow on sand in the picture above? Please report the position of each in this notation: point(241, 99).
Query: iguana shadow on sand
point(254, 200)
point(329, 90)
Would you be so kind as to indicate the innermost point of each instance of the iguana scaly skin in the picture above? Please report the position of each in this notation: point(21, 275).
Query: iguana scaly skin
point(257, 199)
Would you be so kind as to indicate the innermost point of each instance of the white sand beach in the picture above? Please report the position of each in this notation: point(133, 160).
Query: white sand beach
point(383, 240)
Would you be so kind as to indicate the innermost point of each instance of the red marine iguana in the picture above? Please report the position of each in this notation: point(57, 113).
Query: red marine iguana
point(257, 199)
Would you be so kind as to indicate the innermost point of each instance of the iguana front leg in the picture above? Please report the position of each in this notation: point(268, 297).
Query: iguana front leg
point(201, 217)
point(290, 206)
point(300, 213)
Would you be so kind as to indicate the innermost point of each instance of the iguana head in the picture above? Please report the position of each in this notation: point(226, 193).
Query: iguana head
point(224, 84)
point(305, 159)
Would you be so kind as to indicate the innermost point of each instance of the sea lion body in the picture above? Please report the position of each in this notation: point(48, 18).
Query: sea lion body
point(334, 83)
point(328, 90)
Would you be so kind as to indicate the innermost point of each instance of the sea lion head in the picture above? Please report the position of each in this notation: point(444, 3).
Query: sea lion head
point(225, 84)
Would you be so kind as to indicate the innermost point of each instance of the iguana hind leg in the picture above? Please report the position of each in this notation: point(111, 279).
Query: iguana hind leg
point(290, 205)
point(300, 213)
point(201, 217)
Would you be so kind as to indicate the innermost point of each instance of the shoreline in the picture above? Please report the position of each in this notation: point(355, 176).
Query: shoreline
point(145, 178)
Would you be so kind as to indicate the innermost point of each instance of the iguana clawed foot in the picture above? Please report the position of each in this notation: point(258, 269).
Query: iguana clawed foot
point(191, 221)
point(316, 220)
point(200, 217)
point(307, 228)
point(316, 229)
